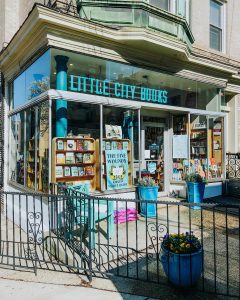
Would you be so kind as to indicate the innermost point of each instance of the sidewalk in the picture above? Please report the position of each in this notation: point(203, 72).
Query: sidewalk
point(20, 290)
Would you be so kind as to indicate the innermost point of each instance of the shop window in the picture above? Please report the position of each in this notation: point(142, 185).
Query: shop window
point(16, 153)
point(33, 81)
point(199, 146)
point(180, 147)
point(119, 148)
point(154, 156)
point(91, 75)
point(75, 156)
point(43, 147)
point(216, 165)
point(32, 164)
point(216, 25)
point(29, 145)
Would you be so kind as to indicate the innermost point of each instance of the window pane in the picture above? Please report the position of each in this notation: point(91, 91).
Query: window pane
point(30, 148)
point(215, 38)
point(180, 165)
point(160, 3)
point(215, 14)
point(16, 155)
point(181, 8)
point(77, 157)
point(43, 147)
point(119, 148)
point(33, 81)
point(215, 148)
point(198, 145)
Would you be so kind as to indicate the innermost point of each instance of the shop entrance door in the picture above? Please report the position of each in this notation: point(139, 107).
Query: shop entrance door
point(154, 156)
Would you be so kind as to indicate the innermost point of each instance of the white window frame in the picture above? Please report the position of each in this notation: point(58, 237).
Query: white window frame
point(223, 25)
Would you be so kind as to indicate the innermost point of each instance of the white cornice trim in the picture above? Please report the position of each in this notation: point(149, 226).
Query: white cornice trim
point(232, 88)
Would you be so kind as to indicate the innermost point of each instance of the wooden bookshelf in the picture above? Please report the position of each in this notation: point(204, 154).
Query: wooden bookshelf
point(108, 145)
point(31, 164)
point(74, 161)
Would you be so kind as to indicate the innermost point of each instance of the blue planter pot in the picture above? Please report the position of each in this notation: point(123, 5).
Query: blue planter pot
point(183, 270)
point(195, 192)
point(148, 193)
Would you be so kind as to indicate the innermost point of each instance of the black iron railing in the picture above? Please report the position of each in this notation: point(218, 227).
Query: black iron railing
point(109, 237)
point(233, 165)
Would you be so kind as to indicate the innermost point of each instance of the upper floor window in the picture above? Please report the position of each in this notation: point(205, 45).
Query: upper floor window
point(178, 7)
point(216, 25)
point(164, 4)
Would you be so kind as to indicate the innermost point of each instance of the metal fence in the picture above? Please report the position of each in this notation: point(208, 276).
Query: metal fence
point(233, 165)
point(79, 233)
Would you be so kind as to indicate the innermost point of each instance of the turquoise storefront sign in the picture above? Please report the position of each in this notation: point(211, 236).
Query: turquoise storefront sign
point(107, 88)
point(116, 169)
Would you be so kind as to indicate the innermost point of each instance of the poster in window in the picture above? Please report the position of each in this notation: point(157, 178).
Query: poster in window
point(116, 169)
point(113, 132)
point(180, 146)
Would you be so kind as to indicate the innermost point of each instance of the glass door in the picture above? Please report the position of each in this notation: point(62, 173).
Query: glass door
point(154, 154)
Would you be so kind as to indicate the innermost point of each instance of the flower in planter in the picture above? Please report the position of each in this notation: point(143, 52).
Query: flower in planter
point(181, 243)
point(147, 181)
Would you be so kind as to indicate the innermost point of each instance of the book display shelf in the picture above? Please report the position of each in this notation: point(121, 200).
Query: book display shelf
point(31, 164)
point(112, 144)
point(73, 161)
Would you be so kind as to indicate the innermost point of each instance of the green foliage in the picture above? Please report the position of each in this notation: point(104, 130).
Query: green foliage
point(181, 243)
point(147, 181)
point(193, 177)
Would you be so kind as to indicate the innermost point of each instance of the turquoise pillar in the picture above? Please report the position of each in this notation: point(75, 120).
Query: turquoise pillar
point(61, 105)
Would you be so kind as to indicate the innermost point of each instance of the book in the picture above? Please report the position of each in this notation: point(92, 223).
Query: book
point(89, 170)
point(108, 146)
point(60, 158)
point(79, 145)
point(125, 145)
point(60, 145)
point(71, 145)
point(103, 145)
point(81, 171)
point(59, 171)
point(87, 158)
point(74, 171)
point(70, 158)
point(86, 145)
point(119, 145)
point(78, 158)
point(114, 145)
point(67, 171)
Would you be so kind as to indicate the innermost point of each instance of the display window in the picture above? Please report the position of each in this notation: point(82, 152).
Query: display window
point(180, 147)
point(216, 138)
point(199, 145)
point(16, 149)
point(29, 148)
point(110, 147)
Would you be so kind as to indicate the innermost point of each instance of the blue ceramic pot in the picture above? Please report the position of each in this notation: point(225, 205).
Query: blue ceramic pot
point(148, 193)
point(195, 192)
point(183, 270)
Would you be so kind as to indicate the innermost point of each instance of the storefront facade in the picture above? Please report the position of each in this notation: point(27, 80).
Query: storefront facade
point(103, 120)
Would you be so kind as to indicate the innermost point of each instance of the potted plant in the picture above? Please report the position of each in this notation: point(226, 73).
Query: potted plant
point(195, 189)
point(182, 257)
point(148, 191)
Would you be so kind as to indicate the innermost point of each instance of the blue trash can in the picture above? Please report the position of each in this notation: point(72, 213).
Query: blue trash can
point(148, 193)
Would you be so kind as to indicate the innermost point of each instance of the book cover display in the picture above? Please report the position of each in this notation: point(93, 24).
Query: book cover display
point(73, 161)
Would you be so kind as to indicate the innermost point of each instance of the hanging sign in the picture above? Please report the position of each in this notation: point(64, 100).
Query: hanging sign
point(88, 85)
point(116, 169)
